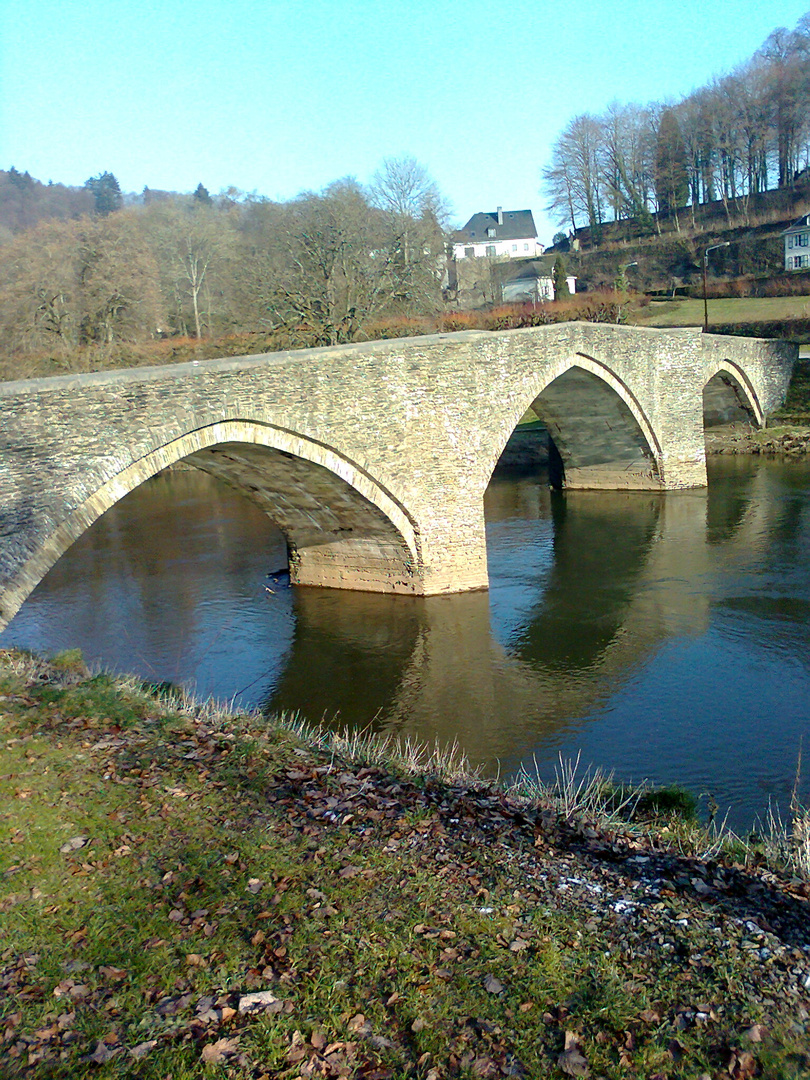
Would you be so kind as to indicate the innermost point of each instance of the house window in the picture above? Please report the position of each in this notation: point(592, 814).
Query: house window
point(525, 247)
point(469, 252)
point(490, 252)
point(803, 240)
point(490, 233)
point(514, 247)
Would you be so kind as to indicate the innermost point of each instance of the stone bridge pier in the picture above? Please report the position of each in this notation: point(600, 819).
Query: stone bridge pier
point(373, 459)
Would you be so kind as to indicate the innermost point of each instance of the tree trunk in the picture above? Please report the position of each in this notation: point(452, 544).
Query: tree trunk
point(194, 291)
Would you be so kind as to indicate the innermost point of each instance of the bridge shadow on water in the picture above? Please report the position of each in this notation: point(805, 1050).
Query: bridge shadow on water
point(470, 668)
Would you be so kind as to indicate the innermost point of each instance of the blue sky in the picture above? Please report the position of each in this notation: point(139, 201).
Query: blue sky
point(282, 96)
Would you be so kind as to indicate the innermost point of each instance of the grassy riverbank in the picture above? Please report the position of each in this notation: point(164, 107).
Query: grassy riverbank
point(187, 893)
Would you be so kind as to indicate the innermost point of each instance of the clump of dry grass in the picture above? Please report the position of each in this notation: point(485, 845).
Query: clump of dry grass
point(591, 795)
point(787, 843)
point(447, 763)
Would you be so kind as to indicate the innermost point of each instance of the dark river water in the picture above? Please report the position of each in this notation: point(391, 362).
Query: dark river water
point(663, 637)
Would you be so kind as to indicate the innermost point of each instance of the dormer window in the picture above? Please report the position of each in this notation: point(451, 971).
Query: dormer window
point(490, 232)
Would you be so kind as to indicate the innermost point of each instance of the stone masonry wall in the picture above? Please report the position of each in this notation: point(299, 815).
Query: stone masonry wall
point(373, 457)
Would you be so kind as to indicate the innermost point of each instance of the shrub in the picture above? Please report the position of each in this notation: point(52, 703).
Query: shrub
point(792, 284)
point(787, 329)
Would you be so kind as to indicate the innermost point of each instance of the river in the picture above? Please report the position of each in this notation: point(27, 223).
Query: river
point(661, 637)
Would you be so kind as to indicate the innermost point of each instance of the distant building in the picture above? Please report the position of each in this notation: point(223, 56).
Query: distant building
point(480, 283)
point(532, 282)
point(510, 233)
point(797, 244)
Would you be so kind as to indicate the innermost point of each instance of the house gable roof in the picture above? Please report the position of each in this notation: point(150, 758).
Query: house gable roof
point(517, 225)
point(528, 269)
point(798, 226)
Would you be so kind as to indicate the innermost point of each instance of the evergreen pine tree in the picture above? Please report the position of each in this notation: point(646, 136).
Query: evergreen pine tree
point(558, 278)
point(201, 195)
point(106, 192)
point(671, 173)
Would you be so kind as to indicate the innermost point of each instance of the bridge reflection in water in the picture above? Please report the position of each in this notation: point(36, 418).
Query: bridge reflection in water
point(585, 587)
point(665, 635)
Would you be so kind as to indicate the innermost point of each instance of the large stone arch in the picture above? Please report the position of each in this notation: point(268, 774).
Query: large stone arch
point(343, 529)
point(601, 431)
point(729, 397)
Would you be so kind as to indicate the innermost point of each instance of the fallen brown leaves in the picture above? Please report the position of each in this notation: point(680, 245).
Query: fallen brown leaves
point(220, 1051)
point(572, 1061)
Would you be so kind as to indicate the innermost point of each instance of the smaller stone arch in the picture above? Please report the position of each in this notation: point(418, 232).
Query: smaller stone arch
point(729, 397)
point(343, 529)
point(599, 428)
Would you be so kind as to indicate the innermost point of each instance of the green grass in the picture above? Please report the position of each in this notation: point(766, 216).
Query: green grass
point(403, 919)
point(689, 312)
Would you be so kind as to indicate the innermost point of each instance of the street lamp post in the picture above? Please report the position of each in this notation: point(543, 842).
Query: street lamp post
point(713, 247)
point(623, 267)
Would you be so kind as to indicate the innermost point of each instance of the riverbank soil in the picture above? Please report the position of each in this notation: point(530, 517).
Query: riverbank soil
point(787, 440)
point(190, 894)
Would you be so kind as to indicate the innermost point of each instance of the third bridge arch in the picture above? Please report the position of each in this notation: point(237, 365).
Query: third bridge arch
point(372, 458)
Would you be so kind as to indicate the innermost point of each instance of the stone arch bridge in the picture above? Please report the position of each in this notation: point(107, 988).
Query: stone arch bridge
point(373, 458)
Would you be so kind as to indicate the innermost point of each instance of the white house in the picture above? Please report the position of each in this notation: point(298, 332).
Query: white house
point(797, 244)
point(532, 282)
point(505, 232)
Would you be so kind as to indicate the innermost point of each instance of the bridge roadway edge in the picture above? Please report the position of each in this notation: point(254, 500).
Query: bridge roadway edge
point(399, 436)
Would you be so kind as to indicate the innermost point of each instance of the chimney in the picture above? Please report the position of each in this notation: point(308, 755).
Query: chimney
point(500, 215)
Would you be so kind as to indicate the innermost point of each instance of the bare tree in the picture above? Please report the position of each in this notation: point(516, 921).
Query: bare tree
point(254, 272)
point(344, 256)
point(559, 188)
point(70, 284)
point(403, 187)
point(336, 272)
point(627, 150)
point(415, 218)
point(697, 129)
point(38, 292)
point(575, 182)
point(192, 241)
point(671, 176)
point(118, 292)
point(786, 54)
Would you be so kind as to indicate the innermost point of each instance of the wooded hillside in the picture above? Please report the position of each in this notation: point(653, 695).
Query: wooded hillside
point(715, 153)
point(322, 265)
